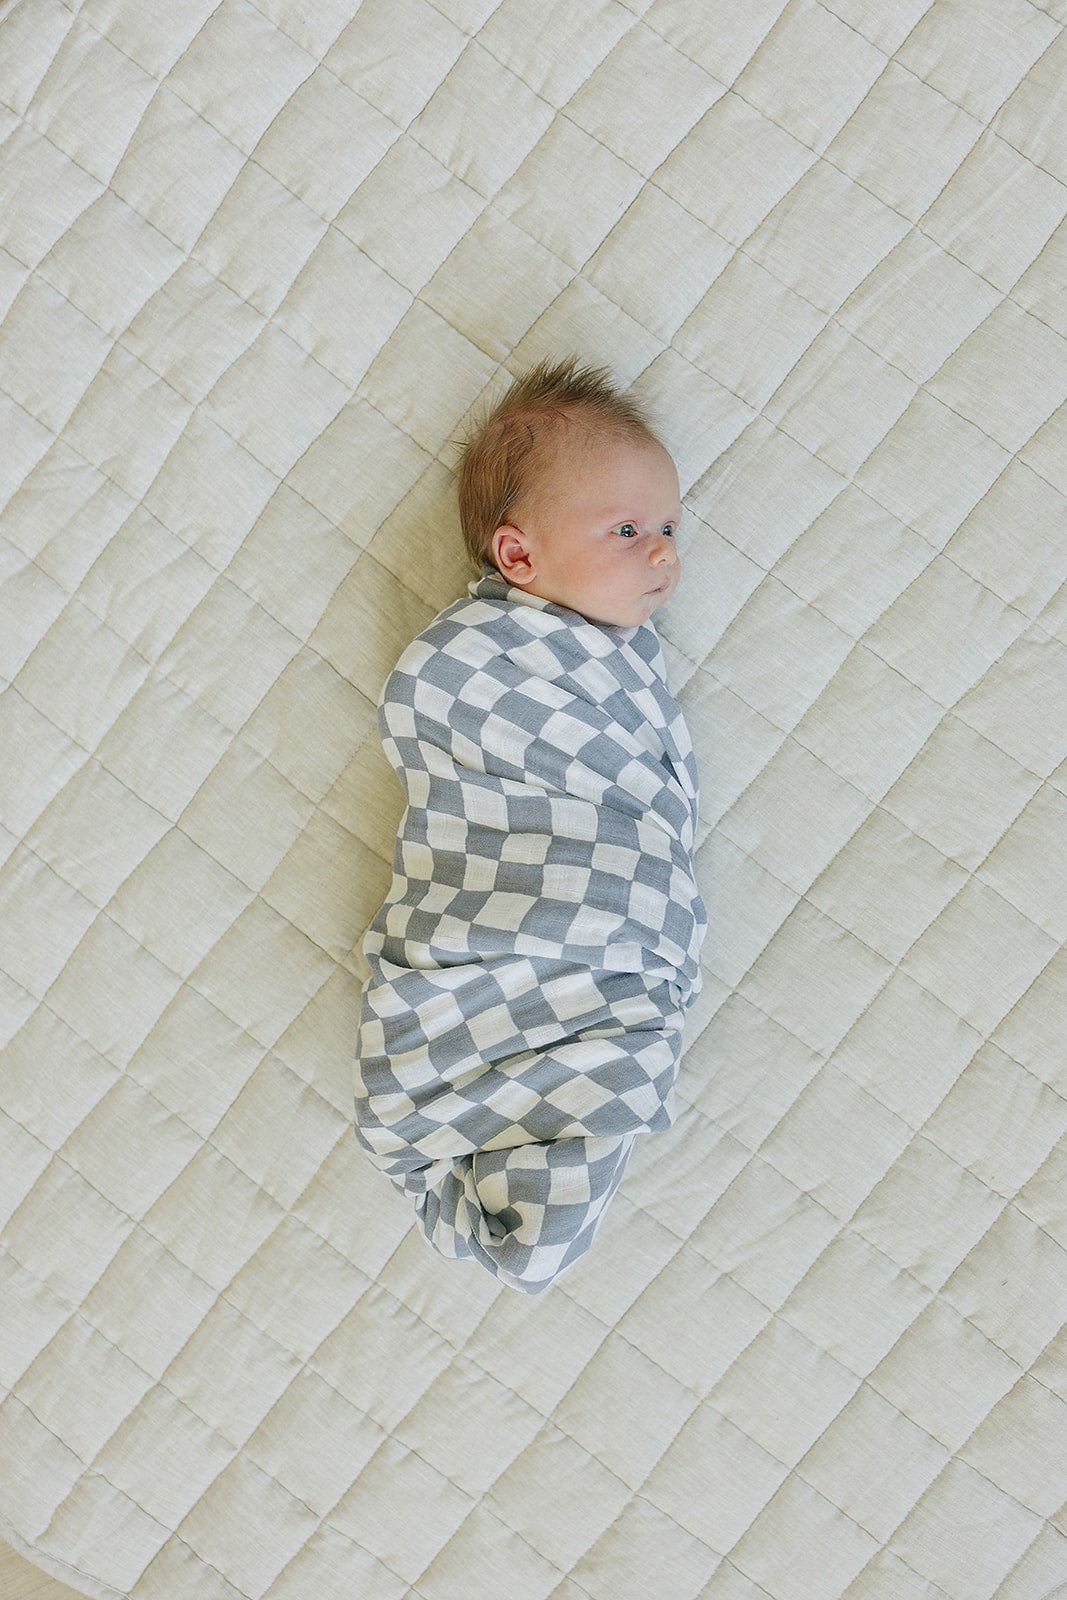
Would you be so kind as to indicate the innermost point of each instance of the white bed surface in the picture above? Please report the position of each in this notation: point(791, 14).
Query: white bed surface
point(258, 262)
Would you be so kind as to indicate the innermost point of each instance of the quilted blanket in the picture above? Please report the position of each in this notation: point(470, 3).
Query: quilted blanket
point(261, 261)
point(540, 942)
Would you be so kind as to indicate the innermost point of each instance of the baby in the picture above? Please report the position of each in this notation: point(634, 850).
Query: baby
point(533, 960)
point(570, 496)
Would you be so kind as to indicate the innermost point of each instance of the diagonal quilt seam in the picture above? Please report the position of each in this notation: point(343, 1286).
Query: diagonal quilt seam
point(1006, 295)
point(443, 13)
point(859, 31)
point(172, 823)
point(323, 1519)
point(1035, 315)
point(1025, 626)
point(158, 674)
point(1053, 42)
point(824, 1058)
point(1053, 1594)
point(1033, 162)
point(694, 1113)
point(639, 22)
point(11, 1537)
point(635, 1496)
point(513, 1532)
point(1021, 1206)
point(100, 33)
point(88, 1460)
point(357, 388)
point(36, 269)
point(990, 116)
point(56, 1155)
point(875, 805)
point(246, 159)
point(161, 1384)
point(416, 140)
point(936, 1295)
point(559, 110)
point(954, 1459)
point(830, 320)
point(1009, 292)
point(866, 1380)
point(79, 1311)
point(919, 1128)
point(1033, 622)
point(660, 34)
point(758, 1592)
point(279, 25)
point(689, 1392)
point(892, 57)
point(884, 1543)
point(175, 1537)
point(170, 1535)
point(991, 1037)
point(86, 754)
point(179, 96)
point(893, 967)
point(7, 10)
point(731, 1555)
point(26, 413)
point(223, 1295)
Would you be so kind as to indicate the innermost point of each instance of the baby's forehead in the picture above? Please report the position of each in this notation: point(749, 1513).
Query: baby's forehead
point(548, 433)
point(555, 457)
point(564, 444)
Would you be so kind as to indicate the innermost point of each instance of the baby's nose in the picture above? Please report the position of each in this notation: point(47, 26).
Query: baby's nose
point(665, 550)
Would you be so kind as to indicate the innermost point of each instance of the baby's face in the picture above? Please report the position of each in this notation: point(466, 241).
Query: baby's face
point(597, 532)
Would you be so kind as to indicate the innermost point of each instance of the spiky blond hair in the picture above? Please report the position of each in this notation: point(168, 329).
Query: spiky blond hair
point(510, 444)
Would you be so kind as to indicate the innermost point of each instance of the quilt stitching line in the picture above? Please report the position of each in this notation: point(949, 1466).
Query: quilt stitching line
point(825, 1057)
point(237, 1449)
point(1033, 631)
point(279, 24)
point(1006, 296)
point(305, 1365)
point(1039, 975)
point(10, 1534)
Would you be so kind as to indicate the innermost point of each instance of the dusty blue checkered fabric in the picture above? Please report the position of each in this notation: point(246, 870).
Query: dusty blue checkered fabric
point(531, 966)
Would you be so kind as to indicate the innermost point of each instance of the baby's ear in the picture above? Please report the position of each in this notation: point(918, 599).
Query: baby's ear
point(511, 555)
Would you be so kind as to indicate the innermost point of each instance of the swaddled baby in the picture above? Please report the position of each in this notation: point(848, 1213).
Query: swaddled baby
point(532, 963)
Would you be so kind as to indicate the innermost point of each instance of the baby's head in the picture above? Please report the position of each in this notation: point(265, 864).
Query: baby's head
point(566, 490)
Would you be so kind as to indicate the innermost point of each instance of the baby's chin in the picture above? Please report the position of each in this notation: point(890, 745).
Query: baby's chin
point(636, 612)
point(620, 613)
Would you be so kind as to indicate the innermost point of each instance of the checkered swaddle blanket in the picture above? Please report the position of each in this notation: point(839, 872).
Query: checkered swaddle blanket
point(531, 966)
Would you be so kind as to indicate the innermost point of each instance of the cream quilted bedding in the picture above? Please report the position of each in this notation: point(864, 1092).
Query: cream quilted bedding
point(258, 260)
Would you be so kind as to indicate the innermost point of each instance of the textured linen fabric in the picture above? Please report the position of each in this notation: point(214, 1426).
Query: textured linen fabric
point(260, 262)
point(540, 942)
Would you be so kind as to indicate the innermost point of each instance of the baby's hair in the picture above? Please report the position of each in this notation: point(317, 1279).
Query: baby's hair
point(506, 447)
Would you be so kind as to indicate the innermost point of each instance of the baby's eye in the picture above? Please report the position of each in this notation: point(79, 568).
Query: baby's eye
point(668, 530)
point(626, 530)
